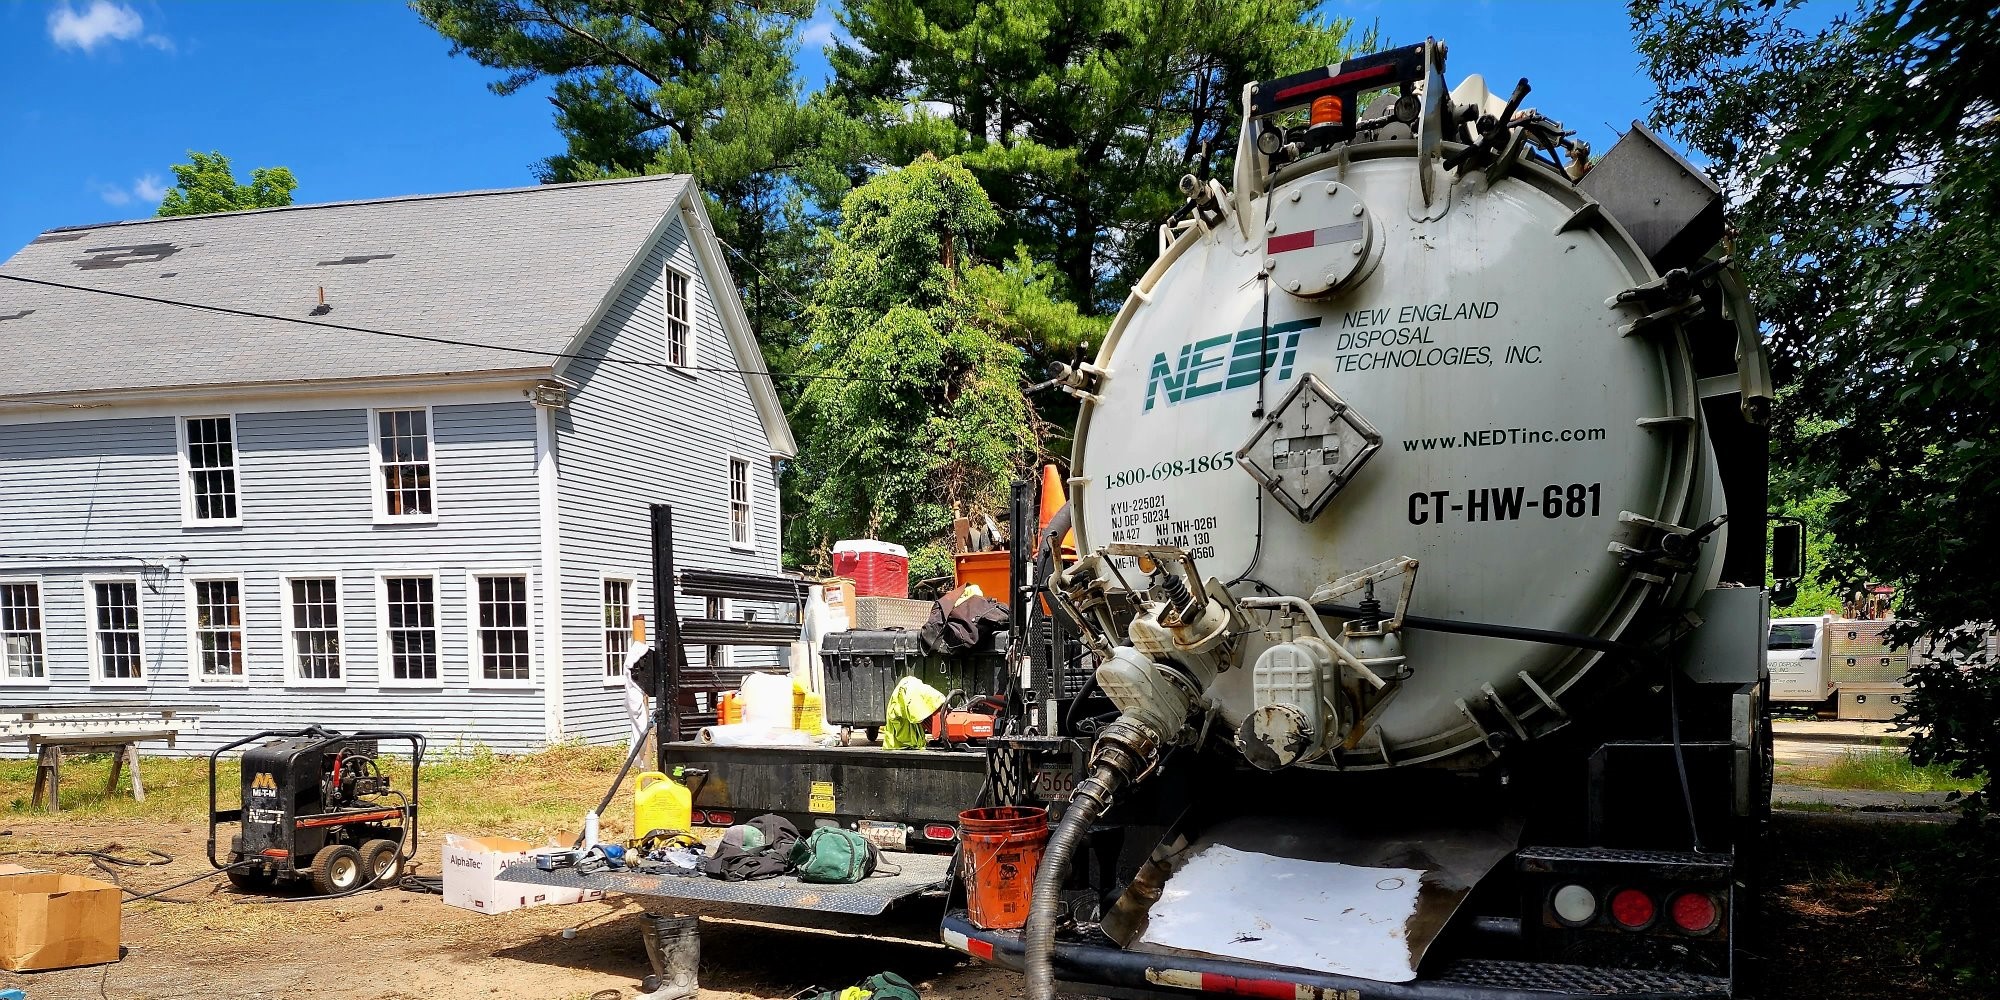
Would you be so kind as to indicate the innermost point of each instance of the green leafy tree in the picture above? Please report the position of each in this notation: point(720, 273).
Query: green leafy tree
point(702, 87)
point(1820, 592)
point(1862, 159)
point(1079, 116)
point(207, 184)
point(913, 414)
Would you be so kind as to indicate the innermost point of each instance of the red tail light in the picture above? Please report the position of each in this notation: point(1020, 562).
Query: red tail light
point(1695, 912)
point(941, 831)
point(717, 817)
point(1632, 909)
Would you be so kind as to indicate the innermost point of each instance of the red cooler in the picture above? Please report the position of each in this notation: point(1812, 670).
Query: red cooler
point(878, 569)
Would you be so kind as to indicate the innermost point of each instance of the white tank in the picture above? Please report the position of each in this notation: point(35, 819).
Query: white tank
point(1504, 425)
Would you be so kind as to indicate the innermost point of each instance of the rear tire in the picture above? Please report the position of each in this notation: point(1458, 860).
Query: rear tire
point(383, 860)
point(336, 869)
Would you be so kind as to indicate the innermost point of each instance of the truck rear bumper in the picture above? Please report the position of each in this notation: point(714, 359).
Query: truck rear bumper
point(1105, 970)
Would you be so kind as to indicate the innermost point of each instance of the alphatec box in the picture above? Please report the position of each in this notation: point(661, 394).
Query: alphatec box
point(49, 920)
point(472, 876)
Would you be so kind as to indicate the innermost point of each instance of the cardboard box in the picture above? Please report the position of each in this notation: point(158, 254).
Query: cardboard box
point(472, 876)
point(53, 921)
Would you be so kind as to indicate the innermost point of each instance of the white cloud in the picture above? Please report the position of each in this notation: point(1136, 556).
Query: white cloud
point(103, 21)
point(161, 42)
point(819, 34)
point(148, 189)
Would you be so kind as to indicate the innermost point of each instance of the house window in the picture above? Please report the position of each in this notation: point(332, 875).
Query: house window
point(21, 648)
point(403, 463)
point(208, 456)
point(115, 645)
point(216, 616)
point(677, 317)
point(409, 625)
point(739, 503)
point(500, 644)
point(617, 626)
point(312, 624)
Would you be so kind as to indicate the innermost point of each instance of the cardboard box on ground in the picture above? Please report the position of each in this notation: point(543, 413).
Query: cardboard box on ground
point(49, 920)
point(472, 876)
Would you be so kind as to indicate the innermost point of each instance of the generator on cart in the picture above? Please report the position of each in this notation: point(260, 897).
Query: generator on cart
point(317, 805)
point(1419, 498)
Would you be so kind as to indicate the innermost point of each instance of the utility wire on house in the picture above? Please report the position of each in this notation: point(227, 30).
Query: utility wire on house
point(447, 341)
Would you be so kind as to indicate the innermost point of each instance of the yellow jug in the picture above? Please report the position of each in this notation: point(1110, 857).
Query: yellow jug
point(660, 803)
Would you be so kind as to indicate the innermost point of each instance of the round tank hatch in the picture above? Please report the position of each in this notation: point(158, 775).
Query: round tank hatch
point(1319, 238)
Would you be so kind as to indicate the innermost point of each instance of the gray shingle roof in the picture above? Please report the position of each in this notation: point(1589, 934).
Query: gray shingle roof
point(521, 268)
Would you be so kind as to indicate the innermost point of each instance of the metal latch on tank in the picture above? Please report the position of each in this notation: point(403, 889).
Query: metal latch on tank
point(1308, 448)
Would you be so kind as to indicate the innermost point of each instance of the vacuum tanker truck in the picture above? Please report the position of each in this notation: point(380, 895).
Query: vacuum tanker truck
point(1418, 499)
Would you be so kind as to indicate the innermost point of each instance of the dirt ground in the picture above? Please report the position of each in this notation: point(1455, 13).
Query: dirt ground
point(1836, 932)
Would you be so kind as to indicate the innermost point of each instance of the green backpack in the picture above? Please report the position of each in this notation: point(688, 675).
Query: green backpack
point(834, 856)
point(880, 986)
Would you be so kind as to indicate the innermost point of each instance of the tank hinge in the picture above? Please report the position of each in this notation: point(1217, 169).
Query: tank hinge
point(1308, 448)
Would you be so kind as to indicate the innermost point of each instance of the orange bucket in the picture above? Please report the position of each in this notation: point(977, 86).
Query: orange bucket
point(1002, 847)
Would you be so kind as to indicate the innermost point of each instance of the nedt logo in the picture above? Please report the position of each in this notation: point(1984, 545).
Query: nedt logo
point(1235, 360)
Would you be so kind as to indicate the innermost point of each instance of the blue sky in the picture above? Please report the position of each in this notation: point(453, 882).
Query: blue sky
point(98, 98)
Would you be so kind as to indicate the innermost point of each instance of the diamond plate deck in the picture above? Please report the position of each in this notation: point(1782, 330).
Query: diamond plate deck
point(868, 898)
point(1574, 979)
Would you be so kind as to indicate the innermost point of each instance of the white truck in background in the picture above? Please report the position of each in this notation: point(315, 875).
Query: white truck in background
point(1801, 664)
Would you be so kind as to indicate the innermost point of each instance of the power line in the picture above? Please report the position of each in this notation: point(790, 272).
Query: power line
point(446, 341)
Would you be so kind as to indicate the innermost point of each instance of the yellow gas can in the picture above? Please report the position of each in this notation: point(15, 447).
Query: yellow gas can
point(660, 803)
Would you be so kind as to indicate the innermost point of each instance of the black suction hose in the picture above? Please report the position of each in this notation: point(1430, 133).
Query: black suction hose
point(1085, 805)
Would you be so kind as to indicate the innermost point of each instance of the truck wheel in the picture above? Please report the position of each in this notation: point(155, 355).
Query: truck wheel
point(336, 869)
point(249, 878)
point(383, 860)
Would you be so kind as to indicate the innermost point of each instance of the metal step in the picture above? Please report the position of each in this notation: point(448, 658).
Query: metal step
point(1589, 860)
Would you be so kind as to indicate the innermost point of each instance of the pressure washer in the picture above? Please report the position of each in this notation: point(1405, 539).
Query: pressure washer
point(317, 805)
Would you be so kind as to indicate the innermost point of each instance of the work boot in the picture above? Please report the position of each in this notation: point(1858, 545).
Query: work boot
point(673, 949)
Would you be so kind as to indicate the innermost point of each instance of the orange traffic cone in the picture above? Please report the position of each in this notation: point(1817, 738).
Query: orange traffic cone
point(1053, 499)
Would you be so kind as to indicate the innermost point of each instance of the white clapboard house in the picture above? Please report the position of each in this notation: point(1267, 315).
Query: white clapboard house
point(307, 524)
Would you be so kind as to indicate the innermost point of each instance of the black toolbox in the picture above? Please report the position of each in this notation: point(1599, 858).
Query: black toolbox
point(863, 667)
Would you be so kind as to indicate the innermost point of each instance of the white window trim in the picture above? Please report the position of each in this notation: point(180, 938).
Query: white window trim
point(188, 520)
point(42, 627)
point(195, 677)
point(693, 328)
point(289, 633)
point(97, 678)
point(475, 672)
point(385, 667)
point(378, 486)
point(749, 497)
point(631, 579)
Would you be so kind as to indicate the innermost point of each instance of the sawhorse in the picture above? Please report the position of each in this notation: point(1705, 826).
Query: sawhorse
point(124, 748)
